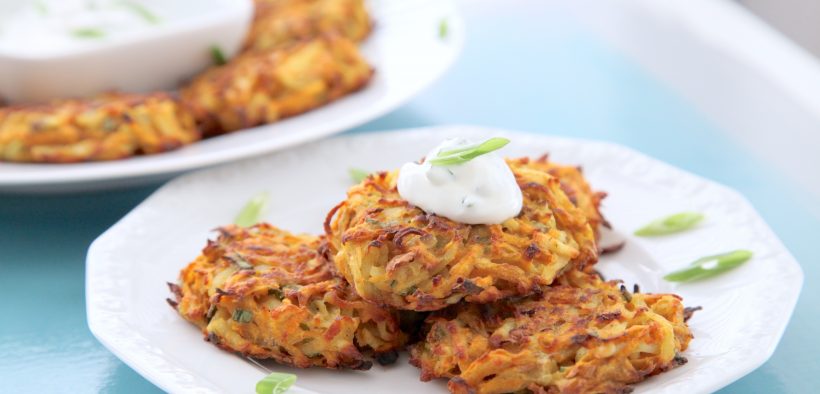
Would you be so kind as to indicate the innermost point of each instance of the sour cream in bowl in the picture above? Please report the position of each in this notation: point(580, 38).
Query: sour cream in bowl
point(53, 49)
point(463, 182)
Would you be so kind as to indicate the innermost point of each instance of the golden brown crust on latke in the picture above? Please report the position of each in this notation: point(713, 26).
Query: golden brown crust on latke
point(266, 293)
point(581, 335)
point(281, 23)
point(576, 187)
point(396, 254)
point(108, 127)
point(256, 89)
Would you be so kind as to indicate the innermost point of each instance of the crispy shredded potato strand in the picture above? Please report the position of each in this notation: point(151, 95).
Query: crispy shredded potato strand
point(575, 186)
point(266, 293)
point(108, 127)
point(396, 254)
point(281, 23)
point(582, 335)
point(256, 89)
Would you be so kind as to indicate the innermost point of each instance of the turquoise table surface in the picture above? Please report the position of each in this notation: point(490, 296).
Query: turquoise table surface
point(518, 71)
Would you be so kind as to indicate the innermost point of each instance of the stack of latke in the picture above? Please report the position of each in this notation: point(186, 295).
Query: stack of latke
point(298, 55)
point(513, 307)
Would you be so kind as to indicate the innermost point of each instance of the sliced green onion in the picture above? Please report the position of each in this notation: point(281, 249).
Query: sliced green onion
point(142, 11)
point(357, 174)
point(443, 29)
point(455, 151)
point(670, 224)
point(463, 155)
point(242, 316)
point(41, 7)
point(707, 267)
point(275, 383)
point(218, 56)
point(240, 261)
point(252, 211)
point(88, 32)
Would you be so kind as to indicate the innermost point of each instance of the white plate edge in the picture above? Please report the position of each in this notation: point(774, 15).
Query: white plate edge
point(791, 270)
point(456, 36)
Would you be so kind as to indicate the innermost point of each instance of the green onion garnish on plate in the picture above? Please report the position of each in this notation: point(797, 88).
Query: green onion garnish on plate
point(275, 383)
point(443, 29)
point(252, 211)
point(218, 56)
point(463, 155)
point(357, 174)
point(709, 266)
point(670, 224)
point(41, 8)
point(88, 32)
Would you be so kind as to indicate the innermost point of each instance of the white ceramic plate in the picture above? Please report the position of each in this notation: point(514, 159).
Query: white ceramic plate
point(745, 311)
point(405, 49)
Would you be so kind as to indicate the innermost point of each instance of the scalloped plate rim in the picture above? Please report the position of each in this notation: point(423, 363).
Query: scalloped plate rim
point(109, 328)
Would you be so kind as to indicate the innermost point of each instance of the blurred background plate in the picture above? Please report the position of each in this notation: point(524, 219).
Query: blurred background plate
point(406, 49)
point(128, 266)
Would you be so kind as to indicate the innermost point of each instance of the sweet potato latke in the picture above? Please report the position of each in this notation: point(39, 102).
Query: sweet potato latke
point(266, 293)
point(108, 127)
point(280, 23)
point(396, 254)
point(255, 89)
point(581, 335)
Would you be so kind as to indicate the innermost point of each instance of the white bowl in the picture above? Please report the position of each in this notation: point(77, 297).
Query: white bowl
point(158, 57)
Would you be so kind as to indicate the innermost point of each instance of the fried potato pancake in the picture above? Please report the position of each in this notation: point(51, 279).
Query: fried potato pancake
point(256, 89)
point(576, 187)
point(396, 254)
point(581, 335)
point(267, 293)
point(108, 127)
point(281, 23)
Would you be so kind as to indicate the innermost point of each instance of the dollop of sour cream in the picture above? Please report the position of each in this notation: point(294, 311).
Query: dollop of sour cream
point(480, 191)
point(45, 27)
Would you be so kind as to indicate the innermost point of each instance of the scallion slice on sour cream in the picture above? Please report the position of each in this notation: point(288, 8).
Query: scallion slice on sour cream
point(479, 189)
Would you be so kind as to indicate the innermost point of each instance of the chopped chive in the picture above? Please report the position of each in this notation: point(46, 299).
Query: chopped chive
point(109, 124)
point(218, 56)
point(709, 266)
point(276, 293)
point(357, 174)
point(88, 32)
point(670, 224)
point(240, 261)
point(443, 29)
point(408, 291)
point(252, 211)
point(463, 155)
point(142, 11)
point(275, 383)
point(242, 316)
point(41, 8)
